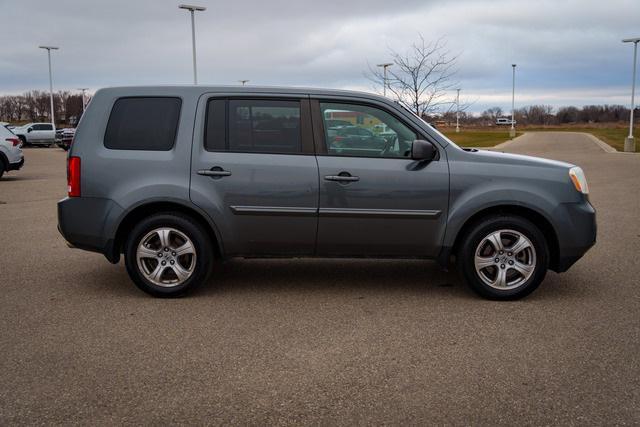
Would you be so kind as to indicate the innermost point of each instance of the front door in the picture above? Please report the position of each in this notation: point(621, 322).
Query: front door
point(42, 132)
point(374, 199)
point(255, 173)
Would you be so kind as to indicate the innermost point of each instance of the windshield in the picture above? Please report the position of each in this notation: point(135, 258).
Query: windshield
point(429, 125)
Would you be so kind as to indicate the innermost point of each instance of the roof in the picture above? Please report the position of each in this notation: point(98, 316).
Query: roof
point(255, 89)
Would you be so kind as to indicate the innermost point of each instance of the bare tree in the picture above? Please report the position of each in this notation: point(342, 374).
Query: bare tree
point(492, 113)
point(422, 78)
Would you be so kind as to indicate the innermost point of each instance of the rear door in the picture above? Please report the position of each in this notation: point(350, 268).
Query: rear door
point(255, 173)
point(374, 199)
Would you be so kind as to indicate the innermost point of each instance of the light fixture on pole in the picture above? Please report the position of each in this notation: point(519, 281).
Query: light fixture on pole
point(244, 82)
point(458, 111)
point(385, 83)
point(193, 9)
point(512, 132)
point(629, 142)
point(49, 49)
point(83, 89)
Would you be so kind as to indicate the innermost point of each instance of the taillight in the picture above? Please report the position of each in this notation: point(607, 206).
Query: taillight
point(14, 141)
point(73, 176)
point(338, 138)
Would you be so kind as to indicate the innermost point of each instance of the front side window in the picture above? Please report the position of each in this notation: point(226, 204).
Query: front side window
point(148, 124)
point(364, 131)
point(253, 126)
point(42, 127)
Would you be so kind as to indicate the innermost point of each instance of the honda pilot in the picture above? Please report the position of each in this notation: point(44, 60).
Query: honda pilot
point(173, 178)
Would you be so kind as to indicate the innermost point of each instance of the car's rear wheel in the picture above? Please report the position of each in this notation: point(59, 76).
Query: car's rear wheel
point(503, 257)
point(168, 255)
point(3, 167)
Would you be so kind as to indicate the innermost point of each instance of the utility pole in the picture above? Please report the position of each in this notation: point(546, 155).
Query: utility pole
point(512, 133)
point(83, 89)
point(49, 49)
point(629, 142)
point(458, 111)
point(384, 67)
point(193, 9)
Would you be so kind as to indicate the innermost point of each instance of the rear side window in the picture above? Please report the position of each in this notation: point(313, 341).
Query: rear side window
point(143, 124)
point(253, 126)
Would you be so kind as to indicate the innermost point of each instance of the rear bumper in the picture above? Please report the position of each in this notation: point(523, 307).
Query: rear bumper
point(89, 223)
point(16, 166)
point(577, 231)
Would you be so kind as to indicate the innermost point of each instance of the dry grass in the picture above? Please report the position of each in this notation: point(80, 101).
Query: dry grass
point(611, 133)
point(478, 137)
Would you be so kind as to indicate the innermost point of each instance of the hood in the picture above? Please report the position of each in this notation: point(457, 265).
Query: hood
point(515, 159)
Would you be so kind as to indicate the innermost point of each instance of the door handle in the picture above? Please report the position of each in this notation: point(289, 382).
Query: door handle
point(342, 177)
point(215, 171)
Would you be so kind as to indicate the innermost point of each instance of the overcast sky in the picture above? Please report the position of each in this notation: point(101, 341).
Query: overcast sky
point(568, 52)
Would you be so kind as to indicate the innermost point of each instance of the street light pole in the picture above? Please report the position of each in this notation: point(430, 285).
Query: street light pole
point(458, 111)
point(629, 142)
point(384, 67)
point(512, 132)
point(193, 9)
point(49, 49)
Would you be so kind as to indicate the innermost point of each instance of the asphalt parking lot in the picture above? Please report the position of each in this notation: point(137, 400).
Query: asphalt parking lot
point(318, 341)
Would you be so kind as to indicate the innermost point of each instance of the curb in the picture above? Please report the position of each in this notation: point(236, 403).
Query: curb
point(605, 147)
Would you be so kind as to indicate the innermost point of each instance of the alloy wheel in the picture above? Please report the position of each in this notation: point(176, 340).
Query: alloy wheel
point(166, 257)
point(505, 259)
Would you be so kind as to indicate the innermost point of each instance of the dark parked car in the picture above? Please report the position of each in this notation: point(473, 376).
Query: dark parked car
point(174, 177)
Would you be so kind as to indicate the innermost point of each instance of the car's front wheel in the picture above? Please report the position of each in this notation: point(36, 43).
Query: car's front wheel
point(503, 257)
point(168, 254)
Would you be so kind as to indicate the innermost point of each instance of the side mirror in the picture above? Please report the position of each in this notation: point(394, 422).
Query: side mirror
point(423, 150)
point(29, 130)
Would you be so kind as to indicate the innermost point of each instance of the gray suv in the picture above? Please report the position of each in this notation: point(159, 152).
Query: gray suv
point(175, 177)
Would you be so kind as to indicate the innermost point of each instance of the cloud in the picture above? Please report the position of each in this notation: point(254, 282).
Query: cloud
point(566, 51)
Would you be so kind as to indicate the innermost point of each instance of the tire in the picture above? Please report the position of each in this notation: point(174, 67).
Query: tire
point(24, 140)
point(506, 275)
point(3, 167)
point(181, 228)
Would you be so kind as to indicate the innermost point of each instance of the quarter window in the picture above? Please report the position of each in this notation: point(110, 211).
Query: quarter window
point(253, 126)
point(148, 124)
point(363, 131)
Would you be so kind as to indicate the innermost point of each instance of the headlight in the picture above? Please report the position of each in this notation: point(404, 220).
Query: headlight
point(579, 180)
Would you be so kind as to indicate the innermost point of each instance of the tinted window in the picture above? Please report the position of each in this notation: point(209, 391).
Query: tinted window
point(371, 132)
point(253, 126)
point(143, 124)
point(215, 134)
point(42, 127)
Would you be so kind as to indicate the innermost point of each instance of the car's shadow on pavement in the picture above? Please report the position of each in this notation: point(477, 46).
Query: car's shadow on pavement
point(14, 178)
point(415, 277)
point(331, 277)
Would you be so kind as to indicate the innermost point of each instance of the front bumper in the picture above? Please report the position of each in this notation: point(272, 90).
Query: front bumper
point(16, 166)
point(576, 231)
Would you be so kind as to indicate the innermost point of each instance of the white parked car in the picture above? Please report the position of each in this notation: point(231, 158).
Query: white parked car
point(36, 134)
point(504, 121)
point(11, 157)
